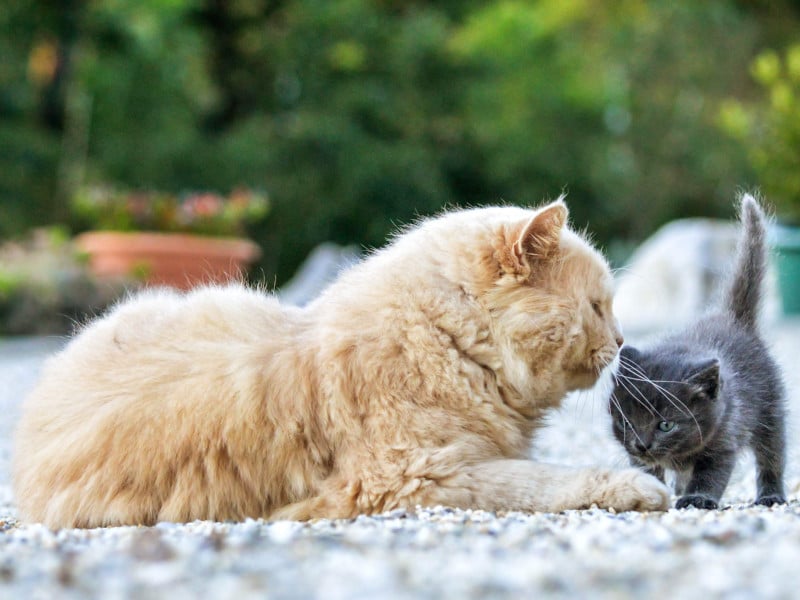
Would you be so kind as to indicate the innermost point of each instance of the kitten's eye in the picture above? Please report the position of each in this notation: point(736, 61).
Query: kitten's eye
point(666, 426)
point(597, 310)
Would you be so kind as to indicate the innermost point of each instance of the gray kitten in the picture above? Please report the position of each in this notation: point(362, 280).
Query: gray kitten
point(693, 400)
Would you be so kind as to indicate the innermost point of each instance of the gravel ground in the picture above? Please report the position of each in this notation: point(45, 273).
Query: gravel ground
point(741, 551)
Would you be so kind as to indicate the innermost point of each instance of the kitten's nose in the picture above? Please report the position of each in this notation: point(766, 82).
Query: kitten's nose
point(642, 447)
point(620, 340)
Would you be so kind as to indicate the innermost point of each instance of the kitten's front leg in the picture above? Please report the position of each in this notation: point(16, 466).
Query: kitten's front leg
point(507, 484)
point(708, 482)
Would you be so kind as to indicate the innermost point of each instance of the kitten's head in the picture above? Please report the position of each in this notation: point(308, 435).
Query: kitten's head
point(665, 404)
point(549, 294)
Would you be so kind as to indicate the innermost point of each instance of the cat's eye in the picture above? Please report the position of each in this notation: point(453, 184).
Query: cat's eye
point(597, 309)
point(666, 426)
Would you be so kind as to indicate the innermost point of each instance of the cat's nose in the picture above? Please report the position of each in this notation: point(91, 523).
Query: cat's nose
point(642, 447)
point(617, 329)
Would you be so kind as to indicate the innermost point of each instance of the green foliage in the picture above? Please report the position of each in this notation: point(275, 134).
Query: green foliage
point(28, 149)
point(615, 102)
point(770, 128)
point(356, 115)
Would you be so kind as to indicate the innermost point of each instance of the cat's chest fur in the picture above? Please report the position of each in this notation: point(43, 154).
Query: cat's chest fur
point(436, 370)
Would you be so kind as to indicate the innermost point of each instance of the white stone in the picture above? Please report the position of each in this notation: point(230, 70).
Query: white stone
point(676, 274)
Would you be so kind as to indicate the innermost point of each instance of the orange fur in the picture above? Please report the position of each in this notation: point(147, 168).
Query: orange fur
point(419, 377)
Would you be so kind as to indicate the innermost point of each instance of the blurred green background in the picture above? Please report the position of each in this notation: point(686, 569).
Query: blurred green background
point(358, 115)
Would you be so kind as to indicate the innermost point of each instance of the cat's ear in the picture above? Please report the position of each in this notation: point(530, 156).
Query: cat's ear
point(706, 377)
point(539, 237)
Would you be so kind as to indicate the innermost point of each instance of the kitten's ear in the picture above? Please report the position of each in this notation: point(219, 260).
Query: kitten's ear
point(539, 237)
point(706, 377)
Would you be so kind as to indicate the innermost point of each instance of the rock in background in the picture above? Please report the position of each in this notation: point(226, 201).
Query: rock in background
point(677, 273)
point(318, 270)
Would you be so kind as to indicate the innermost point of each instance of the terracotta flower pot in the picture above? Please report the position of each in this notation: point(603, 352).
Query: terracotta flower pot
point(173, 259)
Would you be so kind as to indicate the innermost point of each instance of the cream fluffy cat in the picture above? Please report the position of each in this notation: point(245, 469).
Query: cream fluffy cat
point(419, 377)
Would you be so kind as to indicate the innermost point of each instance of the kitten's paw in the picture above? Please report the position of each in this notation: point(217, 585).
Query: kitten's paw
point(771, 500)
point(698, 501)
point(632, 489)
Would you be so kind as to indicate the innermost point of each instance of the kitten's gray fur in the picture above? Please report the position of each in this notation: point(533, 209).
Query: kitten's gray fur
point(713, 386)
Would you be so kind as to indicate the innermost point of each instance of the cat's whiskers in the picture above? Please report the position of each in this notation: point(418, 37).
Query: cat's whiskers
point(642, 373)
point(584, 396)
point(609, 382)
point(616, 405)
point(627, 422)
point(676, 402)
point(637, 395)
point(641, 376)
point(672, 398)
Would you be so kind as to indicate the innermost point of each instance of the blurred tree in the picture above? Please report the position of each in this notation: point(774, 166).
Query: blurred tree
point(358, 114)
point(28, 142)
point(770, 129)
point(350, 116)
point(614, 101)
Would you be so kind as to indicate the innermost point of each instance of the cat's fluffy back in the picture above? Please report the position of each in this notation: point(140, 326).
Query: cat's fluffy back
point(152, 327)
point(136, 390)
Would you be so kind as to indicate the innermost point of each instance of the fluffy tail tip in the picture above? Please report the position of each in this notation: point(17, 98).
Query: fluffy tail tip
point(749, 204)
point(751, 211)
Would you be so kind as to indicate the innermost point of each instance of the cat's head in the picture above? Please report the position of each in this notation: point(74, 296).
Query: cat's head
point(665, 403)
point(549, 293)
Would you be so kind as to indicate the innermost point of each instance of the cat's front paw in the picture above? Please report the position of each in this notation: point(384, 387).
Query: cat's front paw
point(698, 501)
point(771, 500)
point(632, 489)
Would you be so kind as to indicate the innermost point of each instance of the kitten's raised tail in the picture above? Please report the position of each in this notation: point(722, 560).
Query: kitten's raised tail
point(743, 296)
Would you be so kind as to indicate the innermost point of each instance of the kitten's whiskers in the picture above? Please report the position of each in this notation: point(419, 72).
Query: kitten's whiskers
point(627, 422)
point(641, 376)
point(636, 394)
point(631, 367)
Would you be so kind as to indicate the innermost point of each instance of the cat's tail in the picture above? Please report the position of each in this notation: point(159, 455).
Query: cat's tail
point(743, 297)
